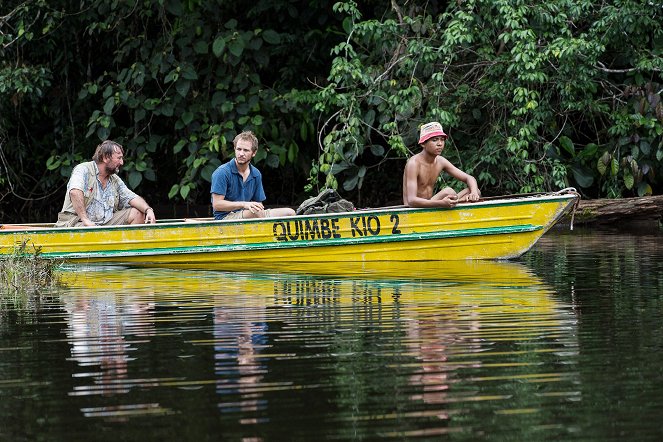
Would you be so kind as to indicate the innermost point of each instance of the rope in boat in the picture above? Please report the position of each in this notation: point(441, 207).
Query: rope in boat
point(566, 190)
point(571, 190)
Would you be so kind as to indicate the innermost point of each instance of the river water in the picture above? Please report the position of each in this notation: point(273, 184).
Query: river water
point(565, 343)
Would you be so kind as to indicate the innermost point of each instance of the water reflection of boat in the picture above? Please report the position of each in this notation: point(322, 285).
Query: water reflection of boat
point(423, 278)
point(419, 270)
point(421, 324)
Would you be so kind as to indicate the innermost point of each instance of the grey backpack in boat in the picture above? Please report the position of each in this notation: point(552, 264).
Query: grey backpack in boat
point(328, 201)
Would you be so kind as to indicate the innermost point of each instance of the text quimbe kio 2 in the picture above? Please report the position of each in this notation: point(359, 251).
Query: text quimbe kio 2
point(328, 228)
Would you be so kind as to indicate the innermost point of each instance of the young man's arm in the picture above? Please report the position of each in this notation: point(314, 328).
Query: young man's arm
point(221, 204)
point(472, 186)
point(220, 189)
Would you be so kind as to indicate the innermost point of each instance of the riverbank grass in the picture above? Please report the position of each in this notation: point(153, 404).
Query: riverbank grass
point(25, 273)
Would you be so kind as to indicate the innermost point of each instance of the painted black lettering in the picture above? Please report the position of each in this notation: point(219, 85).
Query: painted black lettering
point(335, 228)
point(302, 235)
point(293, 236)
point(324, 228)
point(373, 225)
point(279, 232)
point(363, 225)
point(311, 228)
point(354, 226)
point(394, 219)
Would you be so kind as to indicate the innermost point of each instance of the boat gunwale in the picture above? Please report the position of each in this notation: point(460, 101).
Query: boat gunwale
point(179, 223)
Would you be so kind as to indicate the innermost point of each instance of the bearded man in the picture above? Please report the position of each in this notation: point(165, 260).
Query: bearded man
point(96, 196)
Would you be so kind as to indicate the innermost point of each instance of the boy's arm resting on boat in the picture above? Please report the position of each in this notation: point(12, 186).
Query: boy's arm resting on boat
point(471, 193)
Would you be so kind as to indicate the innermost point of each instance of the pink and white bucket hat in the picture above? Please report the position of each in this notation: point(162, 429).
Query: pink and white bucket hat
point(430, 130)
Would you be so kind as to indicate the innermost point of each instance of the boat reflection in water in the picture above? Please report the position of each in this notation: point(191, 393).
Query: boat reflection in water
point(276, 339)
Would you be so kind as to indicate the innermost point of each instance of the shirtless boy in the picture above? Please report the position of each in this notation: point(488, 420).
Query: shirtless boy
point(423, 169)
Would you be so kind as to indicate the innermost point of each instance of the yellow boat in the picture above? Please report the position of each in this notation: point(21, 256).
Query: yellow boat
point(498, 228)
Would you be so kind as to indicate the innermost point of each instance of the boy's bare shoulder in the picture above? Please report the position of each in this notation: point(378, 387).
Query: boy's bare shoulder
point(442, 161)
point(416, 158)
point(411, 161)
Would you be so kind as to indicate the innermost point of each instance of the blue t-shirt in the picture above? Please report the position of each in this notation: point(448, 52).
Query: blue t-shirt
point(227, 181)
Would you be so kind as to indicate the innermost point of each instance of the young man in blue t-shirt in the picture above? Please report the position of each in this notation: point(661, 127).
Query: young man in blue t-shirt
point(237, 191)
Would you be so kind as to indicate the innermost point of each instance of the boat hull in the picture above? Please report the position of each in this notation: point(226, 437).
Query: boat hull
point(491, 229)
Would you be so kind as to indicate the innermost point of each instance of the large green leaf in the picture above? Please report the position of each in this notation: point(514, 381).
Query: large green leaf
point(583, 176)
point(628, 180)
point(187, 117)
point(645, 147)
point(236, 47)
point(218, 46)
point(271, 36)
point(350, 183)
point(614, 167)
point(644, 189)
point(207, 171)
point(201, 47)
point(134, 179)
point(109, 105)
point(273, 160)
point(184, 191)
point(567, 145)
point(377, 150)
point(182, 86)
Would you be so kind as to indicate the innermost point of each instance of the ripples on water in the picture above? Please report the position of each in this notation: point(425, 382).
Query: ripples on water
point(486, 350)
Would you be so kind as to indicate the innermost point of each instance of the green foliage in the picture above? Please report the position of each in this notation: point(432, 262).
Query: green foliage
point(633, 160)
point(173, 81)
point(532, 94)
point(535, 96)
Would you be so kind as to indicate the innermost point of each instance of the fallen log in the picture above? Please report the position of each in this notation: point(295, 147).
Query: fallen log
point(614, 211)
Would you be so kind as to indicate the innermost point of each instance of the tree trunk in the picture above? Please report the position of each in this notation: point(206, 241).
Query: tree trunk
point(604, 211)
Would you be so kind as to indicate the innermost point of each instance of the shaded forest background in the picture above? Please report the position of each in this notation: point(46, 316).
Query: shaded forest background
point(535, 97)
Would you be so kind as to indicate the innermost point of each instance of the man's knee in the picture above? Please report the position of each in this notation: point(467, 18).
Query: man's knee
point(135, 216)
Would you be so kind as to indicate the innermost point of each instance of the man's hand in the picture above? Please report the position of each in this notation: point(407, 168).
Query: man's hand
point(253, 206)
point(86, 222)
point(150, 218)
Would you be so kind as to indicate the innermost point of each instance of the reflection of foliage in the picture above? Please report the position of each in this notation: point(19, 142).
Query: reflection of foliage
point(602, 263)
point(24, 275)
point(614, 283)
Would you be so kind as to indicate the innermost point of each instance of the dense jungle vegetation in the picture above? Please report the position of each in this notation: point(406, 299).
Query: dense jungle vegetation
point(535, 96)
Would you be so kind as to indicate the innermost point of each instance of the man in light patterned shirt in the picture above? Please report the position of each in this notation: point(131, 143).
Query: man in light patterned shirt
point(96, 196)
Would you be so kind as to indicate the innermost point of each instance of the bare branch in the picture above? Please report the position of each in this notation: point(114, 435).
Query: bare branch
point(601, 67)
